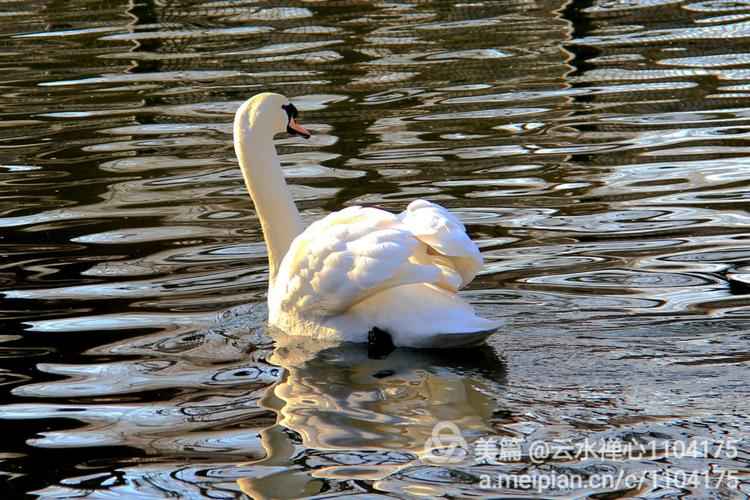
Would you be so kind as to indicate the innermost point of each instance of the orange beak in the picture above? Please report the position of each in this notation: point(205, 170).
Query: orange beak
point(295, 128)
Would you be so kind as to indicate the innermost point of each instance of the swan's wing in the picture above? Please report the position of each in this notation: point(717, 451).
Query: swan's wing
point(448, 245)
point(345, 258)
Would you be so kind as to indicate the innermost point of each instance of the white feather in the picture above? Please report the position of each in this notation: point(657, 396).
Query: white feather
point(361, 268)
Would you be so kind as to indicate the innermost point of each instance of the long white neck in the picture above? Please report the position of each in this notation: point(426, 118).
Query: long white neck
point(264, 179)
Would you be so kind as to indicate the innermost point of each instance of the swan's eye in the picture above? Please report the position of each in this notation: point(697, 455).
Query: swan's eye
point(291, 110)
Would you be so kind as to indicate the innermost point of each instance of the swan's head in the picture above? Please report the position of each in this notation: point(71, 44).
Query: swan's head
point(273, 113)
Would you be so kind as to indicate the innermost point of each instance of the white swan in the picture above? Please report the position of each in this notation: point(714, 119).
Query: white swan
point(359, 270)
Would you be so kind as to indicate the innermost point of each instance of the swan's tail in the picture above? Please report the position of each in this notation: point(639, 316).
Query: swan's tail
point(463, 340)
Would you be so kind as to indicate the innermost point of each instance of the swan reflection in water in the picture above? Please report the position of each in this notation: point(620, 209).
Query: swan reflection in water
point(339, 416)
point(342, 415)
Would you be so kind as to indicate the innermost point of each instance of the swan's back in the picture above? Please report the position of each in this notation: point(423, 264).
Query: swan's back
point(360, 268)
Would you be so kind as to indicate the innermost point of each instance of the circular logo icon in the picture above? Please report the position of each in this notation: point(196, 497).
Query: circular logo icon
point(446, 445)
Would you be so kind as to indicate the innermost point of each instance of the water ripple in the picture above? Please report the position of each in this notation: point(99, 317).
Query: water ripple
point(596, 152)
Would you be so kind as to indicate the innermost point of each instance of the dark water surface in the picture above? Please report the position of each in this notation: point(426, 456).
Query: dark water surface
point(598, 152)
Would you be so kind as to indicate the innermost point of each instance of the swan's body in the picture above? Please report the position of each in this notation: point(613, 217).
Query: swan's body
point(359, 268)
